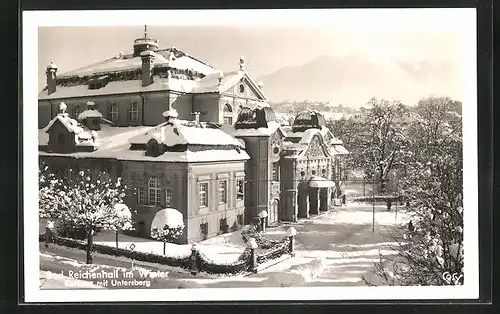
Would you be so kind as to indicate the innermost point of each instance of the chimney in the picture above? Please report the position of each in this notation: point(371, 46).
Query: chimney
point(90, 105)
point(51, 77)
point(221, 76)
point(196, 116)
point(62, 109)
point(242, 63)
point(147, 57)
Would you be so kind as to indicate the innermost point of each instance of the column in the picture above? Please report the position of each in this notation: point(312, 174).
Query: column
point(314, 201)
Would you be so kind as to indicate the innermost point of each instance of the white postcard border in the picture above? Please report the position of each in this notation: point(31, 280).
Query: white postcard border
point(463, 20)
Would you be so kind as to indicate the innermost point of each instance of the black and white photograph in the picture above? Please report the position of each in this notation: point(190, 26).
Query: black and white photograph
point(255, 154)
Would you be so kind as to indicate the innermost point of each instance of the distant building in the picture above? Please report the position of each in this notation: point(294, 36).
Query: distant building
point(189, 138)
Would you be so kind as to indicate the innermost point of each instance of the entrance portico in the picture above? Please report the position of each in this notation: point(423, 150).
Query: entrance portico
point(314, 196)
point(321, 189)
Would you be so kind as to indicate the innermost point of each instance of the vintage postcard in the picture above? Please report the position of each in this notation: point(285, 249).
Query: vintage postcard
point(291, 154)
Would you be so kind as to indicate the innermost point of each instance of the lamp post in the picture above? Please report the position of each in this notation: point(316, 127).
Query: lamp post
point(49, 226)
point(252, 245)
point(373, 202)
point(397, 195)
point(263, 215)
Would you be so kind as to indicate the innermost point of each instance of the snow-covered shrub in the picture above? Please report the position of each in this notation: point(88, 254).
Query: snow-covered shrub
point(167, 226)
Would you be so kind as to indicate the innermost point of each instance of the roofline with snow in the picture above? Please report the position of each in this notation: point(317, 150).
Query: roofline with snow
point(118, 158)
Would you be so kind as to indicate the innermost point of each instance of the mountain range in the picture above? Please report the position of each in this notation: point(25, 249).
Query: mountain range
point(353, 79)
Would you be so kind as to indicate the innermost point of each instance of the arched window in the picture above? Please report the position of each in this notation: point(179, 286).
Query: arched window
point(228, 114)
point(76, 111)
point(133, 112)
point(113, 112)
point(153, 191)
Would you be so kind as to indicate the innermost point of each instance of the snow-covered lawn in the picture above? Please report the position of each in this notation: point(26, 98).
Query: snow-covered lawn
point(216, 251)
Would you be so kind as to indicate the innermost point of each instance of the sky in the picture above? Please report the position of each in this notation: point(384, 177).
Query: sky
point(266, 48)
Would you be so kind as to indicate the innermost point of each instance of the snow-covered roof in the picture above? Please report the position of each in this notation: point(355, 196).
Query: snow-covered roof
point(89, 113)
point(339, 150)
point(120, 87)
point(272, 126)
point(70, 124)
point(222, 81)
point(169, 217)
point(308, 135)
point(132, 83)
point(320, 182)
point(129, 62)
point(114, 144)
point(175, 132)
point(210, 83)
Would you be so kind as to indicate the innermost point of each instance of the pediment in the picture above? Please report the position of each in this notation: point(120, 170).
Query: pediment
point(317, 148)
point(246, 88)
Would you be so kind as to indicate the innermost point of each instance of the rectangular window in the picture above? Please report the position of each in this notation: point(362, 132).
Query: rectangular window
point(154, 196)
point(223, 227)
point(203, 194)
point(222, 192)
point(228, 120)
point(239, 189)
point(276, 172)
point(204, 229)
point(113, 113)
point(168, 197)
point(141, 196)
point(133, 112)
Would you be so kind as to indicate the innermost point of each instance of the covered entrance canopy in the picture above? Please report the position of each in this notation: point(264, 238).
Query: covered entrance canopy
point(320, 182)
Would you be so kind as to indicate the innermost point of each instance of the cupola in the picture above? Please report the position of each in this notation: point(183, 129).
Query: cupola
point(307, 120)
point(259, 117)
point(145, 43)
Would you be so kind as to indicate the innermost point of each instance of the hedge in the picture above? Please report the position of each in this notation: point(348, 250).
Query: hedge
point(271, 249)
point(241, 265)
point(379, 198)
point(109, 250)
point(282, 248)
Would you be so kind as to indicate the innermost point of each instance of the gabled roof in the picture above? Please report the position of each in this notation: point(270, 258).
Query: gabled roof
point(122, 74)
point(70, 124)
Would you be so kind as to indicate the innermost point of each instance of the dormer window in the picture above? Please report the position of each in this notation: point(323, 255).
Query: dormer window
point(153, 148)
point(99, 82)
point(133, 112)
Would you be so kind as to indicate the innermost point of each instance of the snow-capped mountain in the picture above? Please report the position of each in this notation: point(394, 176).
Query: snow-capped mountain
point(355, 78)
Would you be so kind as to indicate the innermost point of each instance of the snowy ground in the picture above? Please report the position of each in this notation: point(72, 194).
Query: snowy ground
point(334, 249)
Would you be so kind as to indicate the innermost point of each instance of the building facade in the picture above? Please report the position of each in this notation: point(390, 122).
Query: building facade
point(187, 136)
point(135, 89)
